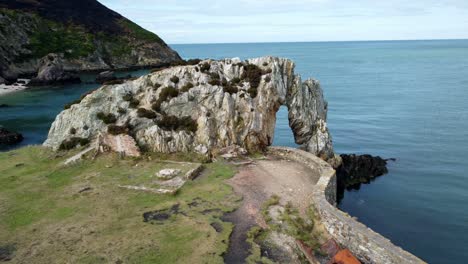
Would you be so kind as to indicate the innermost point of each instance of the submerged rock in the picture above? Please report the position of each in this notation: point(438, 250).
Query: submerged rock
point(52, 72)
point(9, 137)
point(204, 107)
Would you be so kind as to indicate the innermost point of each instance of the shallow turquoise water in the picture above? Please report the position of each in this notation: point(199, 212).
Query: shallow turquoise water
point(402, 99)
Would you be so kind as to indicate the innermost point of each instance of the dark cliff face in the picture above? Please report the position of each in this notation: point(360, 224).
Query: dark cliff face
point(89, 36)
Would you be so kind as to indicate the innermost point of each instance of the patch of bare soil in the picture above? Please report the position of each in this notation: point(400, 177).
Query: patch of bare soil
point(291, 181)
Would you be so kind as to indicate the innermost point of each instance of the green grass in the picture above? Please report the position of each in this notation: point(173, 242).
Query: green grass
point(40, 200)
point(140, 32)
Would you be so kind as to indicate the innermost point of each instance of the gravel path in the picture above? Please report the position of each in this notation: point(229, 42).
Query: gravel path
point(290, 180)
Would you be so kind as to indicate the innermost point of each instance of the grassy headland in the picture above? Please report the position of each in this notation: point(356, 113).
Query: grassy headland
point(50, 213)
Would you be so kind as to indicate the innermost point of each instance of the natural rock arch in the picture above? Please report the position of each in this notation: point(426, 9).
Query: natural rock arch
point(232, 103)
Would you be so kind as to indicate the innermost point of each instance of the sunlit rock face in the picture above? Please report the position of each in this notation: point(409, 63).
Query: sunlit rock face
point(204, 107)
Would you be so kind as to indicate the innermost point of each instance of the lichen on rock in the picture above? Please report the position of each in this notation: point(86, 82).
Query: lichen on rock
point(181, 109)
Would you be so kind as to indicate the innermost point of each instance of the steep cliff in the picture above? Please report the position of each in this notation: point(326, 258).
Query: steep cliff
point(89, 35)
point(203, 108)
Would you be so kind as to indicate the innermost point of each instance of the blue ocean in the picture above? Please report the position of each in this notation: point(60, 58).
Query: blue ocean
point(406, 100)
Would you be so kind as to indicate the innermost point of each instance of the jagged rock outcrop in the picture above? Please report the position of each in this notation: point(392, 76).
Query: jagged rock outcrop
point(357, 169)
point(51, 72)
point(203, 107)
point(9, 137)
point(89, 36)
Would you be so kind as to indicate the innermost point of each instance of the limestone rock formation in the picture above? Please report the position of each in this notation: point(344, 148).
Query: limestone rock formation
point(203, 107)
point(51, 72)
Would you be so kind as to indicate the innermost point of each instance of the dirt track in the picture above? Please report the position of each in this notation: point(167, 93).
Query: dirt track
point(291, 181)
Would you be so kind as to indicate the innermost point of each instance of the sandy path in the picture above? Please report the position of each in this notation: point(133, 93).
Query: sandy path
point(289, 180)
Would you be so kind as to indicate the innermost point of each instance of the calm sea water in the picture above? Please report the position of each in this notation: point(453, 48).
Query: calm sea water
point(402, 99)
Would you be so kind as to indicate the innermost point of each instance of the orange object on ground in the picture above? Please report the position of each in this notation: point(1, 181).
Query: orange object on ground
point(344, 257)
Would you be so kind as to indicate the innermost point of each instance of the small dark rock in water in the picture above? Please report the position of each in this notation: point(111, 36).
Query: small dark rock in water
point(4, 106)
point(105, 77)
point(6, 252)
point(357, 169)
point(9, 137)
point(217, 226)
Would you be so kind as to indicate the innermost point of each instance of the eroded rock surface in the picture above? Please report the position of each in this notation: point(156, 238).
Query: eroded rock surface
point(204, 107)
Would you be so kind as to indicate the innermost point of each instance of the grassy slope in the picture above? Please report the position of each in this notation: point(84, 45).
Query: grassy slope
point(44, 215)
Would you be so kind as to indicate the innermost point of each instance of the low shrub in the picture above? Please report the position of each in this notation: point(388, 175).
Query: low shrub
point(253, 74)
point(224, 81)
point(127, 97)
point(117, 130)
point(168, 122)
point(214, 82)
point(267, 79)
point(134, 103)
point(175, 79)
point(253, 92)
point(265, 63)
point(106, 118)
point(267, 71)
point(73, 131)
point(214, 76)
point(156, 106)
point(121, 111)
point(156, 86)
point(187, 87)
point(168, 92)
point(231, 89)
point(73, 142)
point(143, 112)
point(205, 67)
point(236, 80)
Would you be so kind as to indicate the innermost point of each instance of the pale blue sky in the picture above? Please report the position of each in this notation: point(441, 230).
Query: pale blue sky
point(221, 21)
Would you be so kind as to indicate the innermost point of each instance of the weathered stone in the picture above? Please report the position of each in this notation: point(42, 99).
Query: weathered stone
point(167, 174)
point(9, 137)
point(122, 143)
point(226, 106)
point(52, 72)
